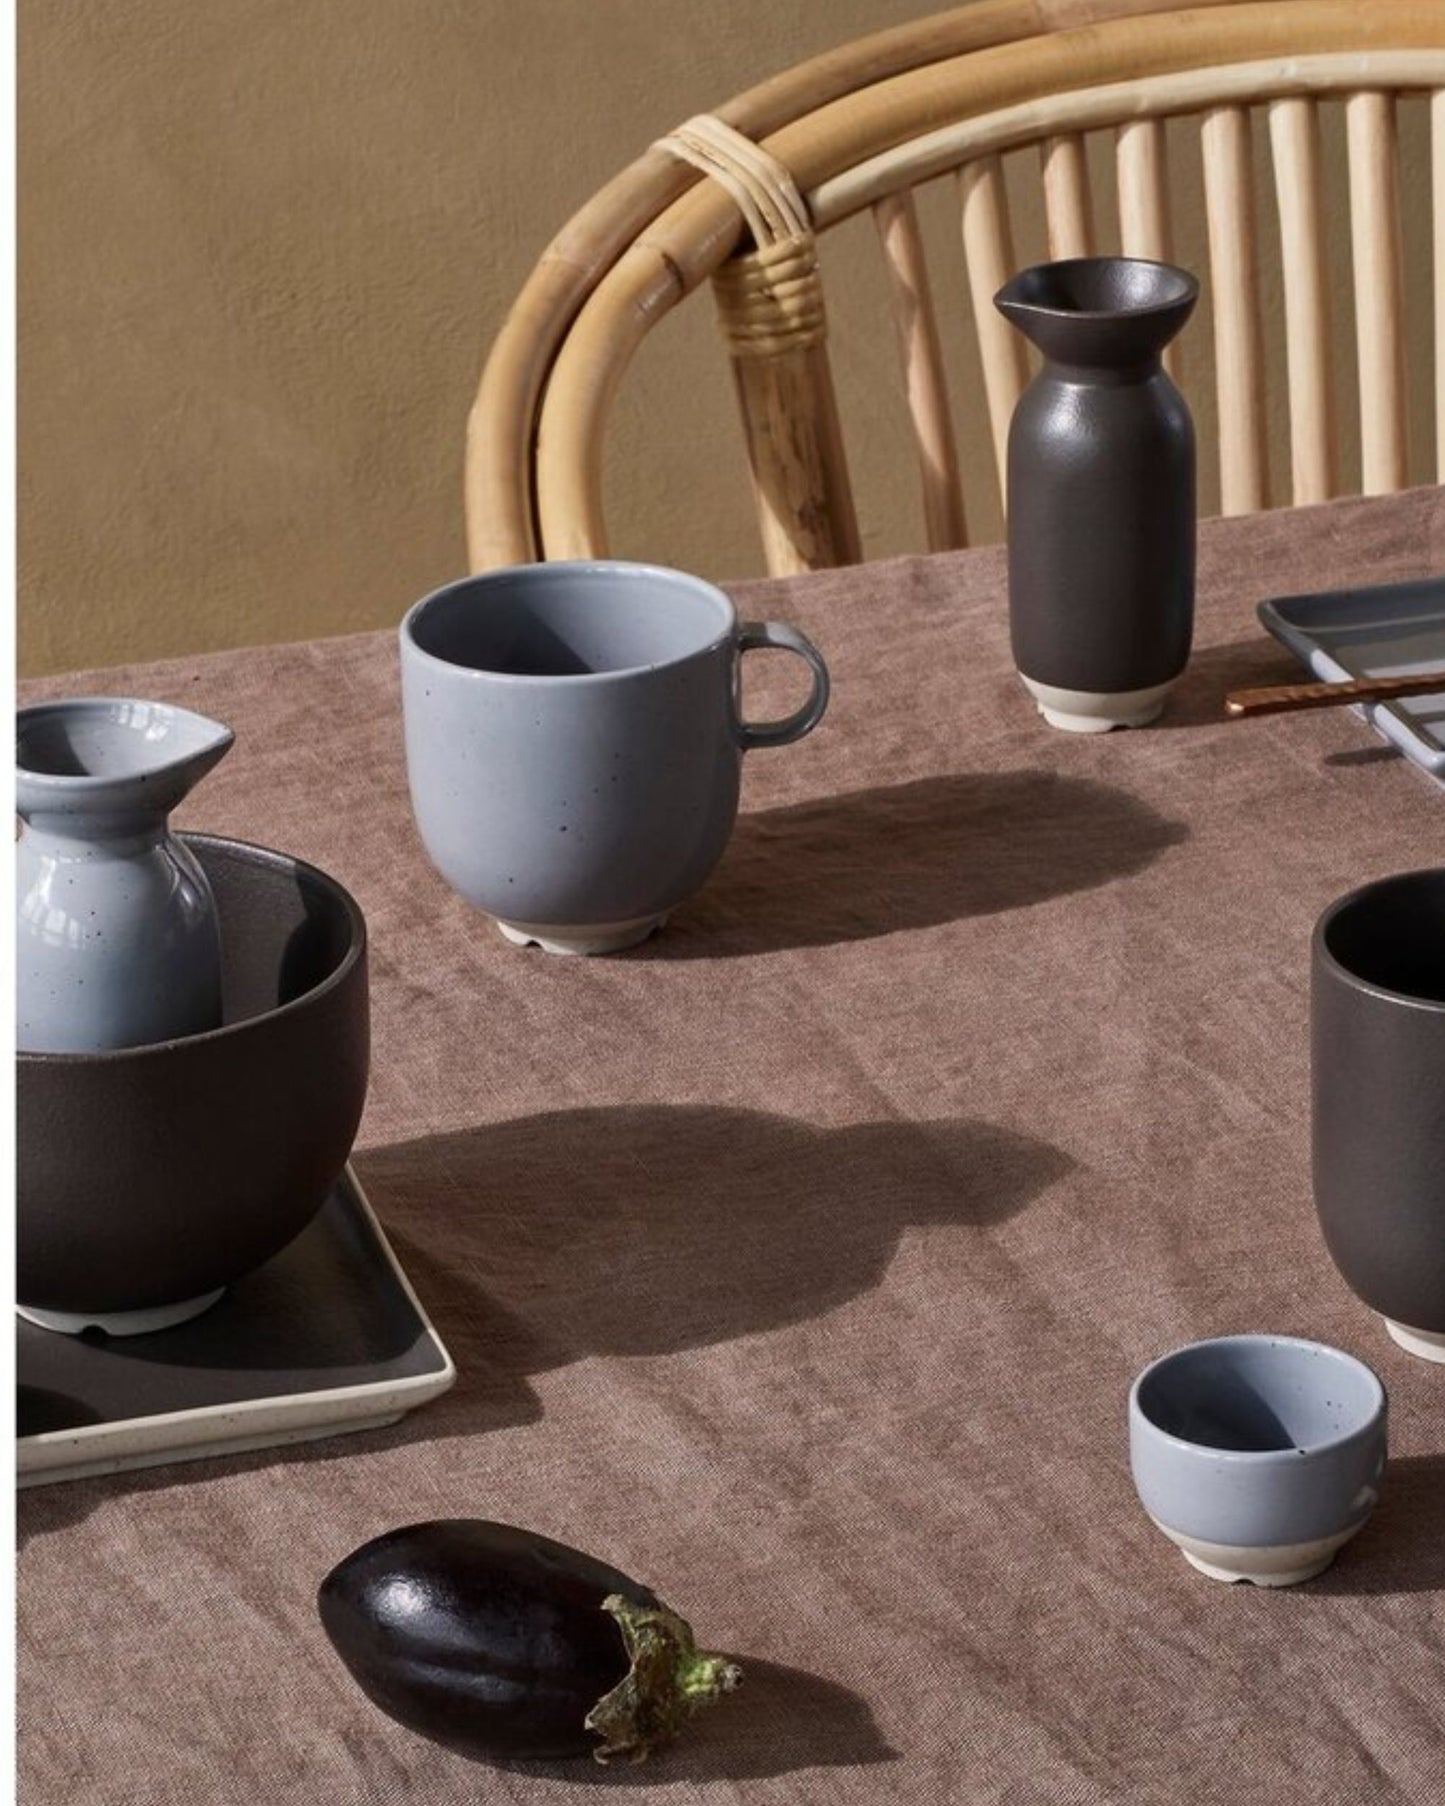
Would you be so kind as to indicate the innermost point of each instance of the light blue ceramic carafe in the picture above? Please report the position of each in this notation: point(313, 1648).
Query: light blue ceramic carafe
point(117, 939)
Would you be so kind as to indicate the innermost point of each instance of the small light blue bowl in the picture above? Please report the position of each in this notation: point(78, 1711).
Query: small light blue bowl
point(1260, 1456)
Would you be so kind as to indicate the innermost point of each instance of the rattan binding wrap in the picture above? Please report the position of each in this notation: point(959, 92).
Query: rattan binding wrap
point(769, 299)
point(770, 309)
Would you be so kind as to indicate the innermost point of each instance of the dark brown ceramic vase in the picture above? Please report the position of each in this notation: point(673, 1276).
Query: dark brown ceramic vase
point(1378, 1073)
point(1101, 508)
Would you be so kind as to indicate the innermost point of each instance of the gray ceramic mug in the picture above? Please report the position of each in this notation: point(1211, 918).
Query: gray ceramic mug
point(574, 742)
point(1378, 1072)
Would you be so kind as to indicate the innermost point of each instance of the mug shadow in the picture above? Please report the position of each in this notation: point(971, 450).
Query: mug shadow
point(635, 1231)
point(914, 855)
point(781, 1720)
point(1402, 1548)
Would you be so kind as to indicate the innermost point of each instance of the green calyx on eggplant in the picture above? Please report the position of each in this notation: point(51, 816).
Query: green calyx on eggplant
point(500, 1643)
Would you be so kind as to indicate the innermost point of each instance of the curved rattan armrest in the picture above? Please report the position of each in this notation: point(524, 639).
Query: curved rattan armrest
point(687, 244)
point(504, 422)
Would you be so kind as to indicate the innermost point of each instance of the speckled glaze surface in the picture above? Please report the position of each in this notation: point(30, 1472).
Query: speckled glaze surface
point(1378, 1081)
point(574, 743)
point(152, 1175)
point(1258, 1455)
point(117, 941)
point(1101, 488)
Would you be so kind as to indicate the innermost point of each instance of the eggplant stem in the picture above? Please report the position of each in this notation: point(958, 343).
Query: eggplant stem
point(669, 1680)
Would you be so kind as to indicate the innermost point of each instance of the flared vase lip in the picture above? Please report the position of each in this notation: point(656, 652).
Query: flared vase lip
point(1185, 296)
point(36, 787)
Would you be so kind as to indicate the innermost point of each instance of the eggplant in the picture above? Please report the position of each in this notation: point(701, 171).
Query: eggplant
point(503, 1644)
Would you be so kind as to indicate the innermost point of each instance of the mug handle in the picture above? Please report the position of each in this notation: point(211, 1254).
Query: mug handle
point(753, 635)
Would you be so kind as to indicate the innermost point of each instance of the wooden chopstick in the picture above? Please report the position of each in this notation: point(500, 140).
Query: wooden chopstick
point(1277, 699)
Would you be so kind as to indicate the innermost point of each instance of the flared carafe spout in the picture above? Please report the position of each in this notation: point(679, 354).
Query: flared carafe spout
point(98, 755)
point(1099, 312)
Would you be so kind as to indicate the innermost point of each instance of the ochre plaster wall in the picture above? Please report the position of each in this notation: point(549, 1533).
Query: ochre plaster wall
point(264, 248)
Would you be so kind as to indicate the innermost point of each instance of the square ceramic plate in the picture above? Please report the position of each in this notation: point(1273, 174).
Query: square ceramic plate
point(327, 1337)
point(1393, 631)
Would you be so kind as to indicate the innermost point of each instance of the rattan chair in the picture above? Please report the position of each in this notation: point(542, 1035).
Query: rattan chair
point(947, 98)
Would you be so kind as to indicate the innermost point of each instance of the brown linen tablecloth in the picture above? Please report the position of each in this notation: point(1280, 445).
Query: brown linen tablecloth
point(799, 1263)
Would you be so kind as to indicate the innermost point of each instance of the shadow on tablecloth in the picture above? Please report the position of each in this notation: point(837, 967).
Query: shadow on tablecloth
point(635, 1231)
point(781, 1720)
point(907, 856)
point(651, 1229)
point(1402, 1548)
point(1213, 671)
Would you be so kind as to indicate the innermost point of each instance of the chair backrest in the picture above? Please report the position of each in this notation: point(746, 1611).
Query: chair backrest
point(950, 100)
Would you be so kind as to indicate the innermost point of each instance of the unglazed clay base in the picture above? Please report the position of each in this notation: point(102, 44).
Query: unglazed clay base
point(1095, 712)
point(1428, 1344)
point(567, 937)
point(121, 1323)
point(1280, 1565)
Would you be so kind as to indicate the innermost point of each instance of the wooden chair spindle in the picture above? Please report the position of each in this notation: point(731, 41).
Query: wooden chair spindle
point(989, 255)
point(1379, 290)
point(1238, 355)
point(1294, 131)
point(1066, 196)
point(1142, 173)
point(897, 220)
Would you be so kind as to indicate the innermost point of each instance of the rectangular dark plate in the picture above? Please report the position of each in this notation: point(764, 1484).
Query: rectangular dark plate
point(325, 1338)
point(1394, 630)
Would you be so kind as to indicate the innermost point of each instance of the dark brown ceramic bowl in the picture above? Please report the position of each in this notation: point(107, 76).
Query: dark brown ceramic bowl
point(155, 1174)
point(1378, 1062)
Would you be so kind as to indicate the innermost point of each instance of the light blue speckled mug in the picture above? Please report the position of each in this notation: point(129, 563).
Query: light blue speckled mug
point(574, 742)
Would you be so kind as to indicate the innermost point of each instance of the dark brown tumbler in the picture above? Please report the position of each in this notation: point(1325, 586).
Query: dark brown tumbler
point(1378, 1066)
